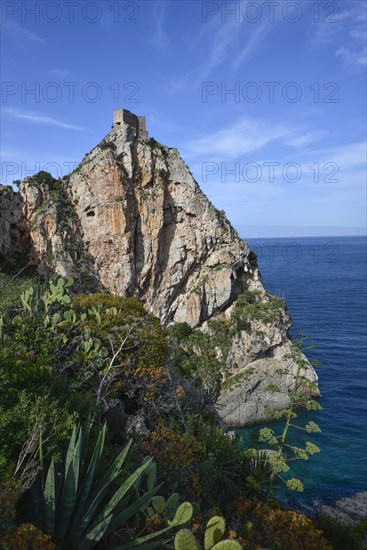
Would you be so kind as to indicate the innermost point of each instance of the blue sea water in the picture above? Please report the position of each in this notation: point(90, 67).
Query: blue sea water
point(323, 281)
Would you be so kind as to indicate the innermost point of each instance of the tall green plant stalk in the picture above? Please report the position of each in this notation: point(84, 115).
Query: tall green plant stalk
point(300, 397)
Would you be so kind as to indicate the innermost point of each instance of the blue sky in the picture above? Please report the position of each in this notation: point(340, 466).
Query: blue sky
point(265, 100)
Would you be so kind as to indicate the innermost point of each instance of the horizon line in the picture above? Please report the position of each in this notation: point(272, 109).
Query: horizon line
point(302, 236)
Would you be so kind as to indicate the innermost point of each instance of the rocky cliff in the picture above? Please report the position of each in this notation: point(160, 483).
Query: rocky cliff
point(132, 219)
point(14, 232)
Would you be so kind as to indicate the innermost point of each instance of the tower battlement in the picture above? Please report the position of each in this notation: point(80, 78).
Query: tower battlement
point(121, 116)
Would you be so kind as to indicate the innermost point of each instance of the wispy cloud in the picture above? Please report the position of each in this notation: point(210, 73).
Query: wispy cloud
point(347, 35)
point(39, 118)
point(243, 137)
point(341, 167)
point(222, 43)
point(306, 139)
point(229, 42)
point(159, 38)
point(348, 156)
point(19, 32)
point(232, 36)
point(254, 39)
point(351, 57)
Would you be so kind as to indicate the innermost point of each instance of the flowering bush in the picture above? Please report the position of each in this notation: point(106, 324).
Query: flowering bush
point(177, 455)
point(266, 524)
point(26, 537)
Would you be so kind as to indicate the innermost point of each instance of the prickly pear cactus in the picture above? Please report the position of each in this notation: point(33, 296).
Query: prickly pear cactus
point(214, 532)
point(227, 545)
point(185, 540)
point(26, 298)
point(58, 292)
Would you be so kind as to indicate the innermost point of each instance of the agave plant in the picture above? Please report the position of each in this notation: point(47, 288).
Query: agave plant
point(69, 505)
point(259, 472)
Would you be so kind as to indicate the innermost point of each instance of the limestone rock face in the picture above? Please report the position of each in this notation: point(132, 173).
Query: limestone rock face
point(55, 231)
point(132, 219)
point(248, 393)
point(349, 511)
point(14, 233)
point(154, 234)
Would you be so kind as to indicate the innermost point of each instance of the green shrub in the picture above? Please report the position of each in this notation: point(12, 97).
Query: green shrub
point(25, 415)
point(9, 495)
point(342, 536)
point(267, 525)
point(222, 464)
point(12, 287)
point(153, 143)
point(26, 537)
point(200, 460)
point(43, 177)
point(114, 319)
point(202, 356)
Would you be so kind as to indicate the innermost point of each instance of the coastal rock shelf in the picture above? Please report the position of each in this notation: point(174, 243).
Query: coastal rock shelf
point(347, 510)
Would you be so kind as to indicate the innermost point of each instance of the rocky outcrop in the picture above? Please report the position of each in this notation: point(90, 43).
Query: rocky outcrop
point(349, 511)
point(55, 230)
point(14, 232)
point(259, 386)
point(132, 218)
point(153, 233)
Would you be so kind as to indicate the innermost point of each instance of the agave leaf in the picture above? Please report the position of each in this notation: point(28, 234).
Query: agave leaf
point(67, 503)
point(118, 518)
point(123, 514)
point(118, 495)
point(156, 544)
point(50, 498)
point(115, 467)
point(93, 536)
point(38, 504)
point(77, 527)
point(100, 491)
point(70, 486)
point(71, 449)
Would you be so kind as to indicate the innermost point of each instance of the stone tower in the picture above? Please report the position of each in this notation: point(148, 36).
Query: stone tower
point(121, 116)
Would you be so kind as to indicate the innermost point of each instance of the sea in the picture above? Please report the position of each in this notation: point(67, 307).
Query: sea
point(324, 282)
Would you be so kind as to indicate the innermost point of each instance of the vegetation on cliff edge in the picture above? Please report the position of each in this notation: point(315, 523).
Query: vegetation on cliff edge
point(100, 361)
